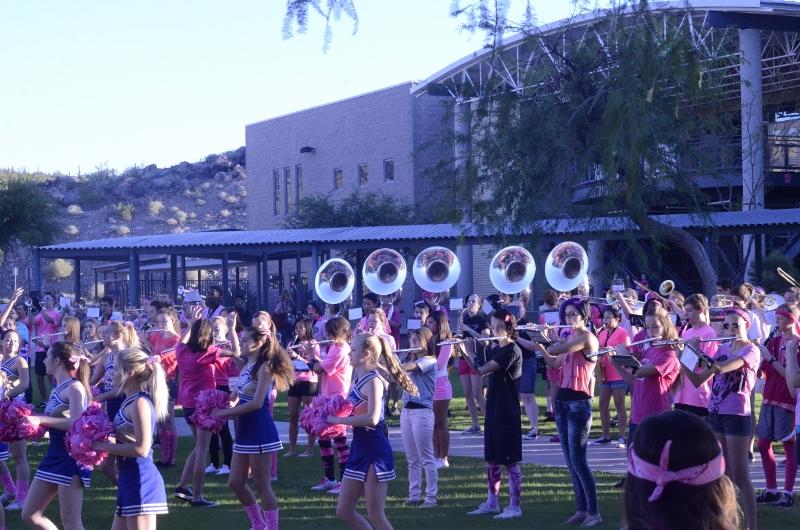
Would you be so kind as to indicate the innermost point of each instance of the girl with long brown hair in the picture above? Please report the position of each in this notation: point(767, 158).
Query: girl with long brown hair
point(443, 393)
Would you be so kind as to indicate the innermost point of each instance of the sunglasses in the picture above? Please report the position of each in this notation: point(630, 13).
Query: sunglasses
point(730, 326)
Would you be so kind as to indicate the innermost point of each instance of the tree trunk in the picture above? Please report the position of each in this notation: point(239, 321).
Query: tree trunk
point(693, 247)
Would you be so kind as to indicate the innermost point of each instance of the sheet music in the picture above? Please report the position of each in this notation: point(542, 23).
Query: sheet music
point(690, 359)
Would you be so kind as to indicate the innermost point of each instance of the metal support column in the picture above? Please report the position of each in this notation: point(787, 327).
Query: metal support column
point(265, 280)
point(173, 277)
point(312, 275)
point(462, 127)
point(183, 272)
point(77, 275)
point(133, 285)
point(226, 299)
point(37, 271)
point(299, 300)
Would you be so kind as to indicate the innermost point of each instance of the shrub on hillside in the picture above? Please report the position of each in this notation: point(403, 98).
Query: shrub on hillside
point(60, 269)
point(172, 221)
point(124, 210)
point(181, 216)
point(72, 230)
point(225, 213)
point(122, 230)
point(154, 207)
point(200, 202)
point(74, 209)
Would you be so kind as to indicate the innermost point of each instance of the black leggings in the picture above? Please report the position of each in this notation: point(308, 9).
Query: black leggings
point(227, 440)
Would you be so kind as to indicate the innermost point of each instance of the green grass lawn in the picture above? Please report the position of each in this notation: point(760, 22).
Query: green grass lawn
point(547, 500)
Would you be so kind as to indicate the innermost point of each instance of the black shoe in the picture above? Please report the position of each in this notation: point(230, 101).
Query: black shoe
point(184, 494)
point(203, 503)
point(620, 484)
point(767, 497)
point(787, 501)
point(750, 456)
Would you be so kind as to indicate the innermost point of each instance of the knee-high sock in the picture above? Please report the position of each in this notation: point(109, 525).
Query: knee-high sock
point(343, 452)
point(256, 518)
point(173, 446)
point(273, 472)
point(790, 448)
point(770, 466)
point(163, 442)
point(8, 483)
point(271, 517)
point(326, 453)
point(493, 476)
point(22, 491)
point(514, 483)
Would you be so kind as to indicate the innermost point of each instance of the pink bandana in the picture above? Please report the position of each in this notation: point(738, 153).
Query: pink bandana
point(738, 311)
point(661, 475)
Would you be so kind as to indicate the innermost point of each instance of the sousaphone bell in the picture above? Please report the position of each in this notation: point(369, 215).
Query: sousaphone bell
point(566, 266)
point(436, 269)
point(384, 271)
point(511, 270)
point(334, 281)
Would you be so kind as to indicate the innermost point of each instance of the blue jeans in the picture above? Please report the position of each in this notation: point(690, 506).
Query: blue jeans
point(573, 419)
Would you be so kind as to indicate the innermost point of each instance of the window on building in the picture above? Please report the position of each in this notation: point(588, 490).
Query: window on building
point(338, 178)
point(388, 170)
point(276, 205)
point(363, 175)
point(287, 190)
point(298, 185)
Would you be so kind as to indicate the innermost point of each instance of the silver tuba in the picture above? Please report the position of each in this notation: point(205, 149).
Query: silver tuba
point(436, 269)
point(334, 281)
point(566, 266)
point(384, 271)
point(511, 270)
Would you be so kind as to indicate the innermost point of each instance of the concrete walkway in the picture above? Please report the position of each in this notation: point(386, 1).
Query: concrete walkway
point(606, 458)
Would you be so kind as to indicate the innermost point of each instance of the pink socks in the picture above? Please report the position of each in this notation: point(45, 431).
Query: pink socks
point(22, 491)
point(8, 483)
point(169, 446)
point(493, 476)
point(274, 466)
point(256, 519)
point(271, 517)
point(790, 448)
point(769, 464)
point(514, 483)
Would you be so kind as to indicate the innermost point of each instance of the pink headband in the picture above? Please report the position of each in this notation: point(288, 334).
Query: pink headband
point(786, 314)
point(661, 475)
point(738, 311)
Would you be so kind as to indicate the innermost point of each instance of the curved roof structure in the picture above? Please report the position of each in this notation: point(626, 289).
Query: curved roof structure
point(710, 21)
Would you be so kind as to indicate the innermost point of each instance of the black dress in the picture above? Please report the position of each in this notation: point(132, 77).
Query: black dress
point(502, 438)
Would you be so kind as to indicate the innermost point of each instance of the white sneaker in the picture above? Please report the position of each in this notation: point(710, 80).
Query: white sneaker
point(224, 470)
point(336, 490)
point(510, 512)
point(484, 509)
point(324, 485)
point(211, 468)
point(439, 463)
point(445, 463)
point(14, 506)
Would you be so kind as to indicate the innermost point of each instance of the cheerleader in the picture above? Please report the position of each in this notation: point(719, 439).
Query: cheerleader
point(734, 373)
point(611, 382)
point(163, 345)
point(302, 348)
point(440, 328)
point(574, 405)
point(257, 440)
point(17, 378)
point(141, 494)
point(371, 462)
point(58, 473)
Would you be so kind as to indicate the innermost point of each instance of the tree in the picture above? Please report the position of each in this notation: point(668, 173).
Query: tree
point(27, 215)
point(357, 209)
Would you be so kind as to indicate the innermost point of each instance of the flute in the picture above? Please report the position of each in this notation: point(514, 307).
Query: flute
point(406, 350)
point(86, 343)
point(541, 327)
point(609, 349)
point(300, 344)
point(672, 342)
point(462, 341)
point(48, 335)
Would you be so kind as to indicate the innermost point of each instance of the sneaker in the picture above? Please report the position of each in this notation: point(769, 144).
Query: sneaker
point(305, 454)
point(273, 478)
point(442, 463)
point(428, 504)
point(750, 456)
point(184, 494)
point(766, 497)
point(336, 490)
point(473, 429)
point(203, 503)
point(555, 439)
point(485, 509)
point(224, 470)
point(602, 441)
point(15, 506)
point(592, 520)
point(622, 443)
point(5, 498)
point(510, 512)
point(620, 484)
point(787, 501)
point(211, 468)
point(412, 502)
point(324, 485)
point(533, 434)
point(290, 452)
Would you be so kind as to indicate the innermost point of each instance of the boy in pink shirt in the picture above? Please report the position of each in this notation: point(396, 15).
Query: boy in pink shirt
point(688, 397)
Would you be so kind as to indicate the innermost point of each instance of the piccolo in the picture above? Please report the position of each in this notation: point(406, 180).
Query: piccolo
point(462, 341)
point(406, 350)
point(302, 344)
point(541, 327)
point(153, 330)
point(86, 343)
point(672, 342)
point(609, 349)
point(49, 335)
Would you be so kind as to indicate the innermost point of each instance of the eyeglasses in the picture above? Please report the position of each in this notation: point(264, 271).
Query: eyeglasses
point(726, 325)
point(572, 314)
point(413, 339)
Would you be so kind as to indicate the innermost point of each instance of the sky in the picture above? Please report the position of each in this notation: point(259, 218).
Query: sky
point(93, 83)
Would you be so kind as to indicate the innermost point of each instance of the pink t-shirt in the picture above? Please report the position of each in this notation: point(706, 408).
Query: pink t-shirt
point(302, 372)
point(687, 393)
point(730, 392)
point(196, 371)
point(43, 327)
point(577, 373)
point(617, 336)
point(337, 371)
point(651, 394)
point(443, 388)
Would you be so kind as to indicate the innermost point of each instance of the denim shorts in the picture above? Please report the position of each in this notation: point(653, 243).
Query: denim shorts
point(613, 385)
point(730, 424)
point(527, 383)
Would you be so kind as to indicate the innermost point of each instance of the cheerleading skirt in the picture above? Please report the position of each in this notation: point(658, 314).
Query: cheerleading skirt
point(256, 433)
point(141, 488)
point(370, 447)
point(57, 467)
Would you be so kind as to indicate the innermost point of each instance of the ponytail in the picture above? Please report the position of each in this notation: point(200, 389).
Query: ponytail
point(278, 362)
point(147, 370)
point(389, 361)
point(75, 362)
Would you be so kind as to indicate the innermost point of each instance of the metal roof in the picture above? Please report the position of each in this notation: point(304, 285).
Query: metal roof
point(252, 243)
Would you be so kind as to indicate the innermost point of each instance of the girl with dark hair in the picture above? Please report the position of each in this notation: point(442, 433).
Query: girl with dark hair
point(197, 355)
point(443, 393)
point(58, 473)
point(611, 382)
point(371, 462)
point(336, 373)
point(474, 324)
point(257, 440)
point(574, 405)
point(17, 380)
point(302, 348)
point(676, 477)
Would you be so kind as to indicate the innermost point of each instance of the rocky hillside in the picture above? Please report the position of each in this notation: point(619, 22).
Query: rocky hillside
point(206, 195)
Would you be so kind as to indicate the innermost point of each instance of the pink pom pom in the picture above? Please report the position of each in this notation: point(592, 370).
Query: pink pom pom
point(14, 423)
point(91, 426)
point(316, 421)
point(206, 402)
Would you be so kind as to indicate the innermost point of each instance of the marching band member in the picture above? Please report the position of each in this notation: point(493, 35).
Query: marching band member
point(214, 307)
point(502, 434)
point(163, 345)
point(611, 382)
point(371, 462)
point(688, 397)
point(58, 473)
point(92, 338)
point(734, 375)
point(474, 324)
point(443, 393)
point(17, 379)
point(45, 323)
point(388, 304)
point(336, 373)
point(302, 348)
point(140, 494)
point(434, 301)
point(223, 370)
point(527, 384)
point(378, 324)
point(416, 420)
point(777, 417)
point(257, 440)
point(574, 405)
